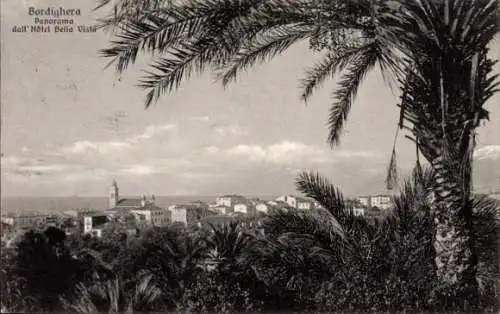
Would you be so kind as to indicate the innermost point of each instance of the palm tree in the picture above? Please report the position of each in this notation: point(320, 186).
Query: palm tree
point(436, 52)
point(225, 251)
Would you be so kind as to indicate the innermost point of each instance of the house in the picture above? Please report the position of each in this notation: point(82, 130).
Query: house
point(229, 200)
point(188, 214)
point(241, 208)
point(290, 200)
point(317, 205)
point(358, 211)
point(364, 200)
point(261, 208)
point(304, 203)
point(29, 220)
point(93, 220)
point(381, 201)
point(296, 202)
point(223, 210)
point(8, 220)
point(278, 205)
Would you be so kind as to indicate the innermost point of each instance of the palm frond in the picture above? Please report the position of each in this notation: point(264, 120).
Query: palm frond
point(313, 185)
point(348, 87)
point(392, 172)
point(264, 46)
point(334, 61)
point(320, 224)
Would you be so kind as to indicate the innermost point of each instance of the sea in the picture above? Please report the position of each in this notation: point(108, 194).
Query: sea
point(55, 205)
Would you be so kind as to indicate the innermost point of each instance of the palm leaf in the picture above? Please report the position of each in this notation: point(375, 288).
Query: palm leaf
point(348, 87)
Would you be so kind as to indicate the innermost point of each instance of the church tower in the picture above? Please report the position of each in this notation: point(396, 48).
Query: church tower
point(113, 195)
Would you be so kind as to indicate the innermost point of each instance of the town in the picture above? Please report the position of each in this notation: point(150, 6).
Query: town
point(133, 215)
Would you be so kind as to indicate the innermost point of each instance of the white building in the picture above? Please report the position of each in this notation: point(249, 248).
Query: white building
point(8, 220)
point(381, 201)
point(296, 202)
point(92, 221)
point(179, 214)
point(261, 208)
point(241, 208)
point(223, 210)
point(229, 200)
point(364, 200)
point(290, 200)
point(303, 203)
point(358, 211)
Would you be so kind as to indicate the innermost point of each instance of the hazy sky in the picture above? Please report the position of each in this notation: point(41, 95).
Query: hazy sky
point(69, 126)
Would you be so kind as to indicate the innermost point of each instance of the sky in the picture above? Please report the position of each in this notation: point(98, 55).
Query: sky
point(70, 126)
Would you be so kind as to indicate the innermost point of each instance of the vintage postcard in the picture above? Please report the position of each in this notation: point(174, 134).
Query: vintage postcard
point(250, 155)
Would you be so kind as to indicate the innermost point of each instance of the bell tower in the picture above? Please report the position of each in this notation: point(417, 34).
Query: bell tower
point(114, 195)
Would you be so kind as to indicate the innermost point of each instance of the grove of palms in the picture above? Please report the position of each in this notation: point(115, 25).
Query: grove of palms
point(435, 53)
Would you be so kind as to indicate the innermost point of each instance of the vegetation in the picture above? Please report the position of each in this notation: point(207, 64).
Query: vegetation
point(321, 260)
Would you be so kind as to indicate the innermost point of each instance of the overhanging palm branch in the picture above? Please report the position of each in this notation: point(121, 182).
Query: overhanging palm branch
point(229, 36)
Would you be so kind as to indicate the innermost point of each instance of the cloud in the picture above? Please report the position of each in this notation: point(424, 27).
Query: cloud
point(140, 170)
point(152, 130)
point(288, 152)
point(356, 154)
point(200, 119)
point(229, 130)
point(30, 166)
point(488, 152)
point(211, 149)
point(252, 152)
point(285, 152)
point(155, 166)
point(89, 147)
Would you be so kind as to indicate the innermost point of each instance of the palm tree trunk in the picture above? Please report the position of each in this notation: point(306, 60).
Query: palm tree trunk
point(455, 256)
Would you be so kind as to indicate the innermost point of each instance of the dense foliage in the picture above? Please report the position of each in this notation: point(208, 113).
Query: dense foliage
point(328, 260)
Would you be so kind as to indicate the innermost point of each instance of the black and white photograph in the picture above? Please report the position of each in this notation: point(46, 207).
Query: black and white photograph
point(250, 156)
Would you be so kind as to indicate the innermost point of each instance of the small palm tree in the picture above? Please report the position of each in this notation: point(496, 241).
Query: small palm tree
point(111, 296)
point(225, 250)
point(173, 264)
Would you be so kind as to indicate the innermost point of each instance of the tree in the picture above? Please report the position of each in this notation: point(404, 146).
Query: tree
point(47, 266)
point(436, 52)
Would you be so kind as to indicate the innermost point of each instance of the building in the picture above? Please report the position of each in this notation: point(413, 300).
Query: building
point(229, 200)
point(223, 210)
point(303, 203)
point(317, 205)
point(241, 208)
point(92, 221)
point(290, 200)
point(358, 211)
point(29, 220)
point(381, 201)
point(8, 220)
point(296, 202)
point(189, 213)
point(364, 200)
point(143, 208)
point(262, 208)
